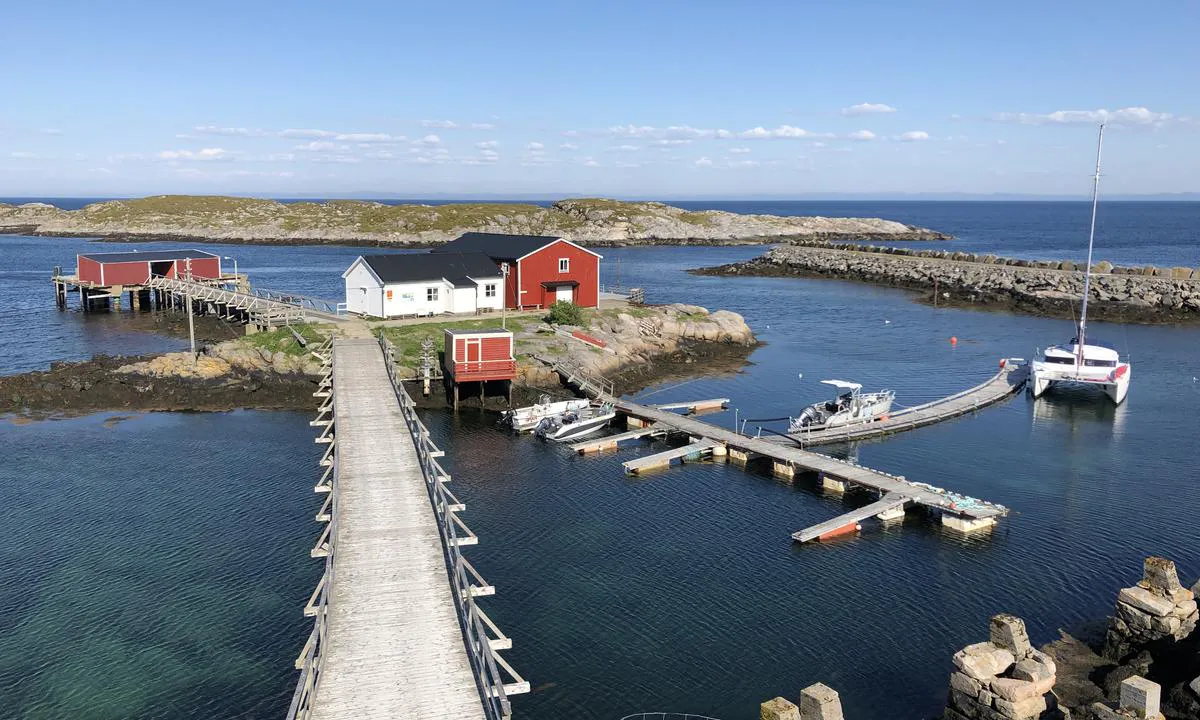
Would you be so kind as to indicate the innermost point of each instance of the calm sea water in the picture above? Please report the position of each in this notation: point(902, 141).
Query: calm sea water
point(156, 566)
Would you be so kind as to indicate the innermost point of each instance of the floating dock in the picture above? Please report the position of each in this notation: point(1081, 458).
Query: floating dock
point(894, 492)
point(611, 442)
point(1008, 381)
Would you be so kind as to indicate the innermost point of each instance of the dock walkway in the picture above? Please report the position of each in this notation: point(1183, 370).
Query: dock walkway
point(393, 647)
point(1006, 382)
point(958, 512)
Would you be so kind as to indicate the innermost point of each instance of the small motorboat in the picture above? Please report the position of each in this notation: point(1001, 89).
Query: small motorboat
point(574, 424)
point(527, 418)
point(851, 406)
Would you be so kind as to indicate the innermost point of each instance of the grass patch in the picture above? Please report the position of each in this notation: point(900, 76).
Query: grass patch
point(282, 340)
point(408, 338)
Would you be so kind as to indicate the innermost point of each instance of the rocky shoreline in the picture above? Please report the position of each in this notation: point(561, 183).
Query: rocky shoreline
point(1147, 667)
point(592, 222)
point(1119, 294)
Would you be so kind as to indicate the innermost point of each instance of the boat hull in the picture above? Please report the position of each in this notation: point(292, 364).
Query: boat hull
point(1115, 384)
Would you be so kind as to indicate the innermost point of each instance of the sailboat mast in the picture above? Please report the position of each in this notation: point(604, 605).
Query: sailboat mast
point(1087, 275)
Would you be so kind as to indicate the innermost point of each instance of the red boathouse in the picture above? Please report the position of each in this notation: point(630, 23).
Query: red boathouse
point(480, 356)
point(136, 268)
point(541, 269)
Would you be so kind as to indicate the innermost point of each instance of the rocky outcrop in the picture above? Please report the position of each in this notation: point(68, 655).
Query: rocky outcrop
point(817, 702)
point(628, 339)
point(963, 279)
point(234, 356)
point(1003, 678)
point(592, 222)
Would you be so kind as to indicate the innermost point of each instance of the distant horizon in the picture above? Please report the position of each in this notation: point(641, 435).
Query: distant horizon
point(551, 197)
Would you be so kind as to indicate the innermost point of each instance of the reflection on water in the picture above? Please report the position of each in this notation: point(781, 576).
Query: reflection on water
point(1074, 405)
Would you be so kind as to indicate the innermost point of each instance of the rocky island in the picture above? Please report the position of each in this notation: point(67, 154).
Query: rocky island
point(594, 222)
point(1042, 287)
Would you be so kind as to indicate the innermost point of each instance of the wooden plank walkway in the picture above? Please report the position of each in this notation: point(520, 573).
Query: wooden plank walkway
point(1008, 381)
point(849, 521)
point(663, 459)
point(611, 441)
point(696, 406)
point(394, 645)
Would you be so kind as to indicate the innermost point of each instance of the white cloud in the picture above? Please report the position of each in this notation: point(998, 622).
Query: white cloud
point(624, 148)
point(487, 144)
point(322, 146)
point(634, 130)
point(589, 162)
point(535, 147)
point(628, 164)
point(570, 133)
point(783, 132)
point(667, 142)
point(1124, 116)
point(743, 163)
point(482, 126)
point(490, 154)
point(704, 162)
point(818, 144)
point(914, 135)
point(203, 154)
point(441, 124)
point(305, 134)
point(861, 135)
point(280, 157)
point(868, 109)
point(50, 131)
point(431, 140)
point(739, 150)
point(228, 131)
point(568, 146)
point(369, 137)
point(22, 155)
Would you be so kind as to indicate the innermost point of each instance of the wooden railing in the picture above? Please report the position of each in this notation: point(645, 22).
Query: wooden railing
point(309, 661)
point(497, 679)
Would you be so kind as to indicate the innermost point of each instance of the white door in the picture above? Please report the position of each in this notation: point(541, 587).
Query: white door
point(564, 293)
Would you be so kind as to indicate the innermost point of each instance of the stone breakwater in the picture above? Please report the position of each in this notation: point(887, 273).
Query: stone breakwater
point(593, 222)
point(1150, 669)
point(1146, 294)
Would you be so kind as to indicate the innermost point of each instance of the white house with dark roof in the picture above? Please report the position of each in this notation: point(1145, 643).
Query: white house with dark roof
point(402, 284)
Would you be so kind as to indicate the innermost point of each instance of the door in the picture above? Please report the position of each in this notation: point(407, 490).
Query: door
point(564, 293)
point(474, 353)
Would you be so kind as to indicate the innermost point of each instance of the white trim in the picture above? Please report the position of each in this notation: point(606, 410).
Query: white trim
point(561, 262)
point(556, 240)
point(370, 269)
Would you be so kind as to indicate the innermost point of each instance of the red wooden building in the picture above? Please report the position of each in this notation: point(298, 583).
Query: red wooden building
point(136, 268)
point(480, 356)
point(541, 269)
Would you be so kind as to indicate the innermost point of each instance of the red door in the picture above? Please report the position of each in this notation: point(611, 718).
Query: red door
point(474, 352)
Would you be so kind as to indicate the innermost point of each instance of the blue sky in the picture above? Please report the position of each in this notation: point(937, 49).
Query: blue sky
point(655, 99)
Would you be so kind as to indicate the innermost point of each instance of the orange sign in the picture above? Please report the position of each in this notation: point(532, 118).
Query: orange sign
point(389, 294)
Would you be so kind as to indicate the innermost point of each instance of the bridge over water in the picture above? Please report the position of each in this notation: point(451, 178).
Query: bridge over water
point(397, 632)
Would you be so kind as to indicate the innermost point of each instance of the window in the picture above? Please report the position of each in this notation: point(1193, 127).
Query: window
point(564, 264)
point(431, 294)
point(489, 290)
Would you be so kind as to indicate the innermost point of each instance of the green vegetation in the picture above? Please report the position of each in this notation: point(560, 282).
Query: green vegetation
point(564, 312)
point(408, 338)
point(282, 340)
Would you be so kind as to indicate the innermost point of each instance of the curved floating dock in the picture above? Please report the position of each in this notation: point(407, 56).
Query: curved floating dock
point(1007, 382)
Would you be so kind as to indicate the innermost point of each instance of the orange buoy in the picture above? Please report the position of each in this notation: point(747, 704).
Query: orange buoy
point(953, 340)
point(1003, 362)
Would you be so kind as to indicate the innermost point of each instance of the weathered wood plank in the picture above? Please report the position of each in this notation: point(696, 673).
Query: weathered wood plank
point(393, 648)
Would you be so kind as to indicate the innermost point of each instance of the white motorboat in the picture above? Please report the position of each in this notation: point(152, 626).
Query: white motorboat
point(1079, 362)
point(527, 418)
point(574, 424)
point(850, 407)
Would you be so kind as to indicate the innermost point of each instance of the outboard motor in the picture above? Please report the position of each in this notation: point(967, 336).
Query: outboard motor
point(546, 426)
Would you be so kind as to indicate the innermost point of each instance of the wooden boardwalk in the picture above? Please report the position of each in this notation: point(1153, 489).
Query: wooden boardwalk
point(393, 647)
point(843, 524)
point(1008, 381)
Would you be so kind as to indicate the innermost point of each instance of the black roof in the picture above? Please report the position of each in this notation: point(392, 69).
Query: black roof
point(497, 245)
point(150, 256)
point(455, 267)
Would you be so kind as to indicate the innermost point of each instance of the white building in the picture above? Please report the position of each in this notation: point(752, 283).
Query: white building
point(400, 284)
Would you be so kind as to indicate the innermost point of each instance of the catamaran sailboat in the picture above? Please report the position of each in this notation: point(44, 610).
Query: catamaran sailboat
point(851, 406)
point(1077, 361)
